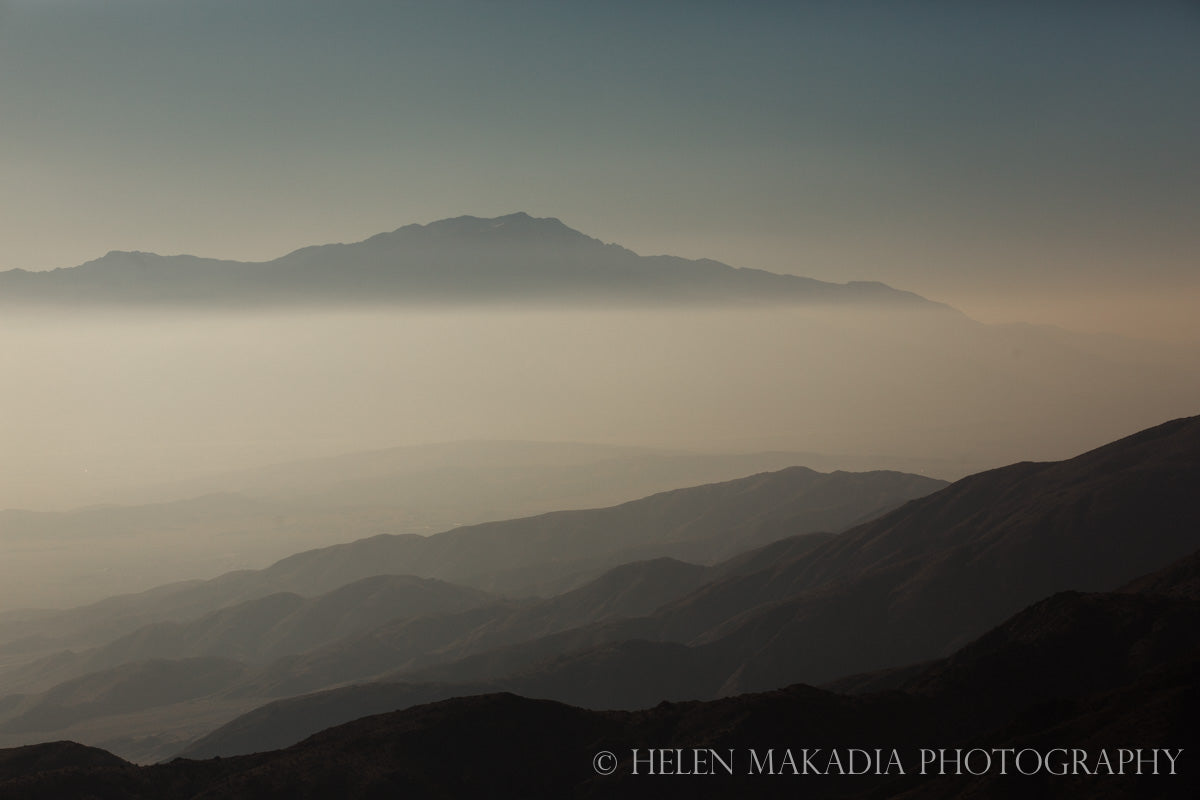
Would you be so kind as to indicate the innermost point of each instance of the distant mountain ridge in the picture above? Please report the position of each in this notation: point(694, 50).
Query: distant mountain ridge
point(513, 258)
point(917, 583)
point(708, 522)
point(561, 547)
point(176, 531)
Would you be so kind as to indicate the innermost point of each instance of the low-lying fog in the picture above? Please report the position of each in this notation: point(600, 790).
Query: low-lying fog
point(99, 403)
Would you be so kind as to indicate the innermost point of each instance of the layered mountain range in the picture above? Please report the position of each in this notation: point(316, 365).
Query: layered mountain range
point(1092, 674)
point(912, 585)
point(251, 518)
point(514, 258)
point(1040, 605)
point(269, 629)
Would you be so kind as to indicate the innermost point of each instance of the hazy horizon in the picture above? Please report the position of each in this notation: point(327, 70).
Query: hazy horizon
point(1021, 163)
point(427, 365)
point(127, 398)
point(1141, 312)
point(1028, 166)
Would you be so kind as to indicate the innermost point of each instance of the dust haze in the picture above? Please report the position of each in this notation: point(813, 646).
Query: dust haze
point(109, 407)
point(101, 401)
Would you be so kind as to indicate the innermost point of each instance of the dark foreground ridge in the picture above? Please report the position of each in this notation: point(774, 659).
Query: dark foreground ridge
point(514, 258)
point(1096, 693)
point(1081, 694)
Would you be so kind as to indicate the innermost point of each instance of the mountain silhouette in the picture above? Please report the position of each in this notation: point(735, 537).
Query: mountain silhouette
point(912, 585)
point(1135, 652)
point(514, 258)
point(294, 611)
point(564, 549)
point(1106, 657)
point(915, 584)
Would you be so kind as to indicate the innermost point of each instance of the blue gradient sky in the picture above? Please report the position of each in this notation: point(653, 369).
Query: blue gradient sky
point(1022, 161)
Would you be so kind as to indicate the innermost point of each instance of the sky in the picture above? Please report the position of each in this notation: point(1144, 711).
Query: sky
point(1031, 162)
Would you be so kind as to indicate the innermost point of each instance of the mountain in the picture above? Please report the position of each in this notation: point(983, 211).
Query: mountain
point(261, 629)
point(251, 518)
point(514, 258)
point(920, 581)
point(1115, 667)
point(419, 634)
point(1071, 651)
point(434, 647)
point(447, 484)
point(371, 626)
point(912, 585)
point(553, 552)
point(915, 584)
point(1135, 652)
point(548, 553)
point(925, 579)
point(148, 684)
point(309, 600)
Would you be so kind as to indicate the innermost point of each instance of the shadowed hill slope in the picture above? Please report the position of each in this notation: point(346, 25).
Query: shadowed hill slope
point(926, 578)
point(566, 548)
point(261, 629)
point(508, 746)
point(910, 586)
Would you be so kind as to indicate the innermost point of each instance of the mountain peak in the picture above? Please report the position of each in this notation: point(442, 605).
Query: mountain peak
point(518, 226)
point(516, 257)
